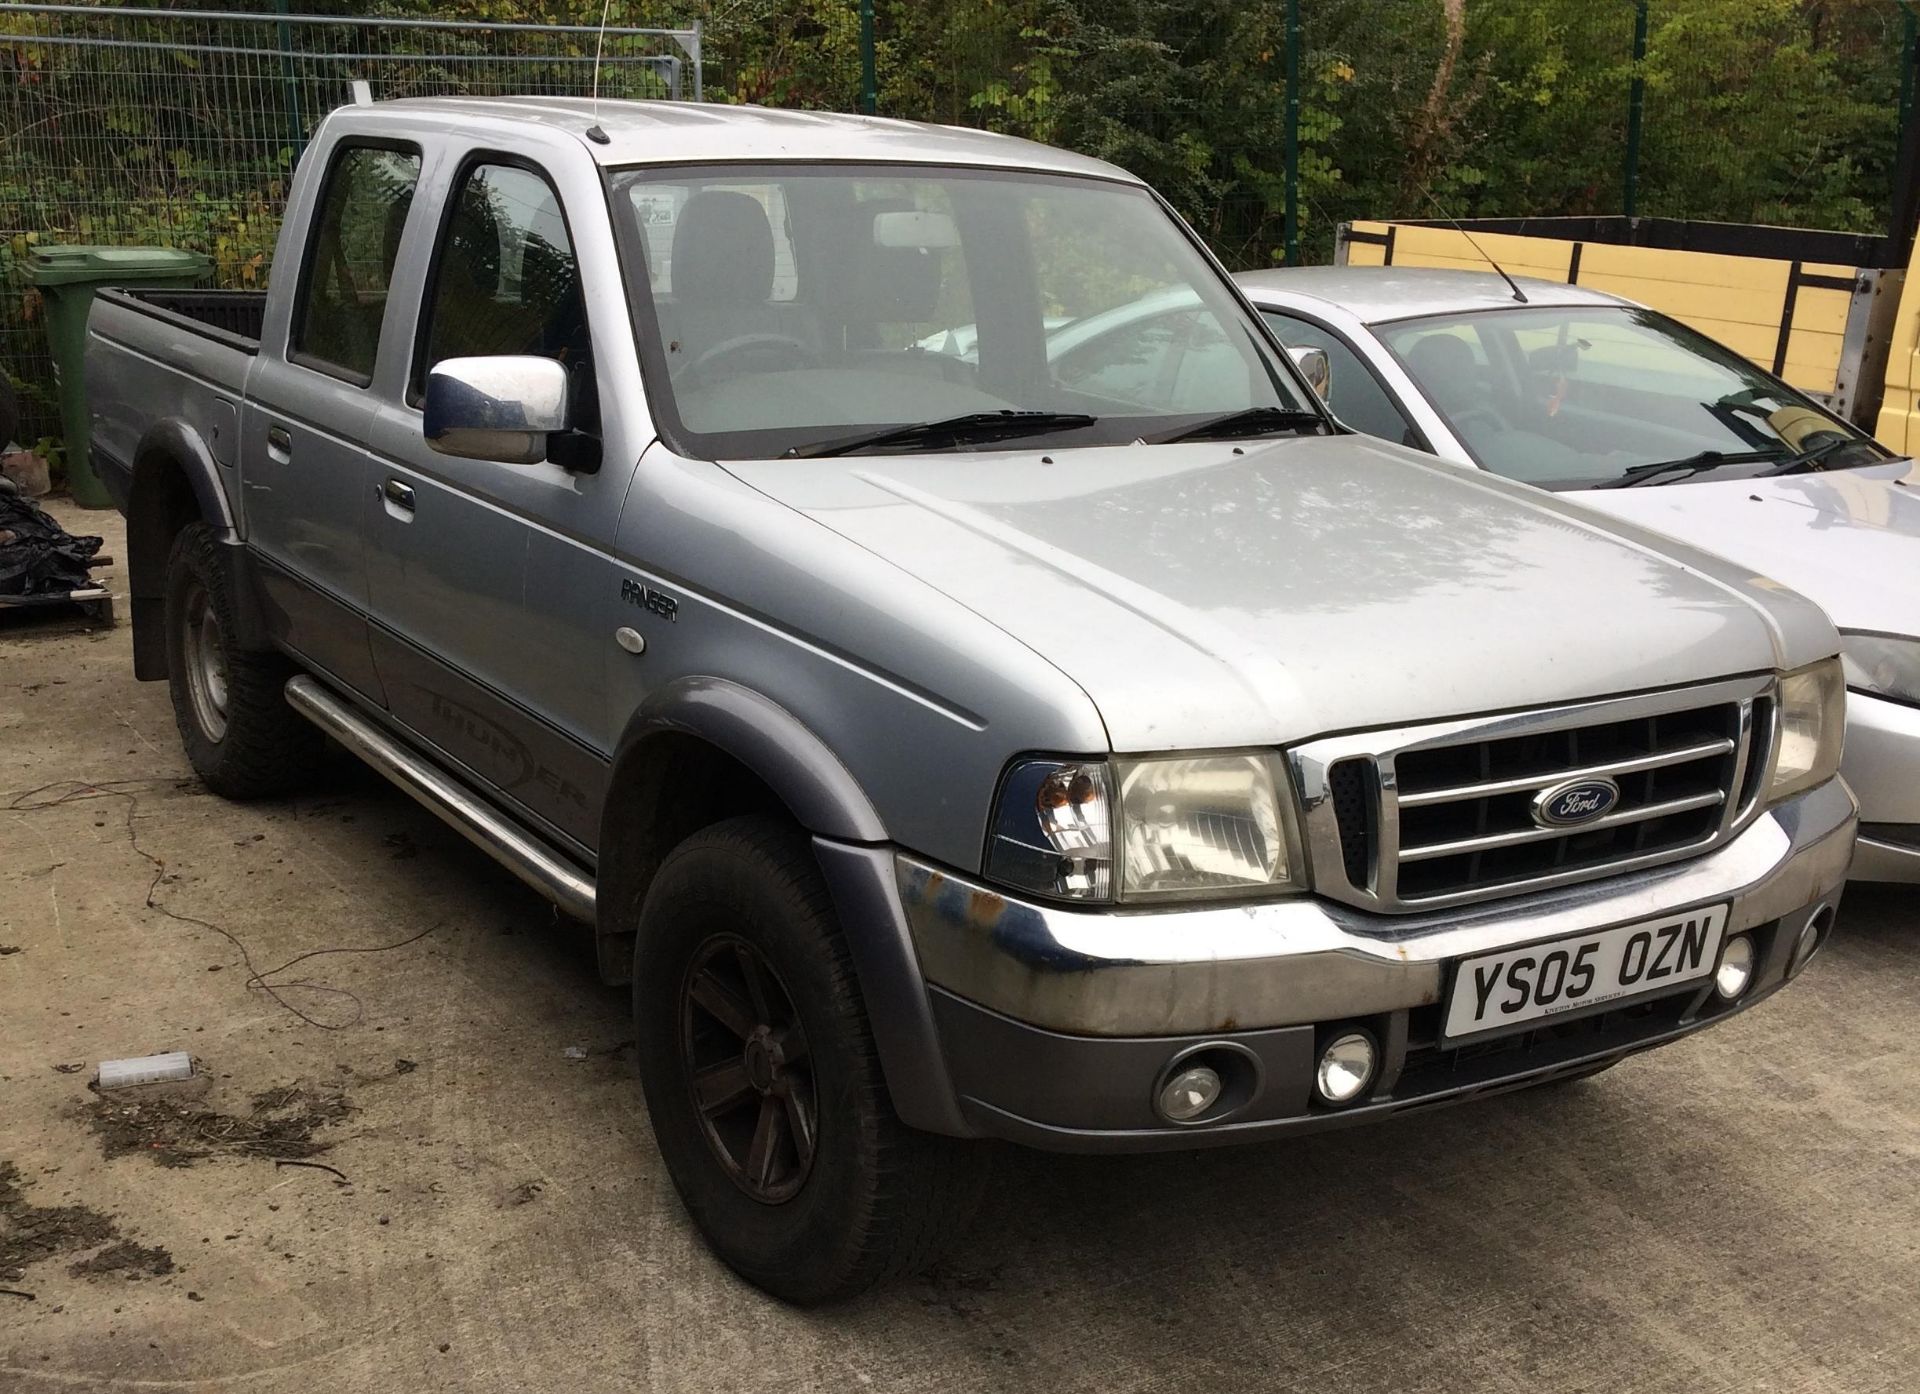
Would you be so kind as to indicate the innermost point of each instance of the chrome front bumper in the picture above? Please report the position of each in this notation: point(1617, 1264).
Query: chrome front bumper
point(1055, 1024)
point(1882, 766)
point(1282, 963)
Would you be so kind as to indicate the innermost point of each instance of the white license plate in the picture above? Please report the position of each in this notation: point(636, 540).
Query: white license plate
point(1514, 986)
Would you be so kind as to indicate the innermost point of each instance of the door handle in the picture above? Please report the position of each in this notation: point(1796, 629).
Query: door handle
point(279, 443)
point(397, 494)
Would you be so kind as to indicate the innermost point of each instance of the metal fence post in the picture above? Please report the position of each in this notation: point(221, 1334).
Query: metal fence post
point(1293, 132)
point(869, 69)
point(1904, 212)
point(296, 121)
point(1636, 105)
point(1909, 42)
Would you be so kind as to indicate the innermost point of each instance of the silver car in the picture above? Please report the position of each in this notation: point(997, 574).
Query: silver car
point(1608, 402)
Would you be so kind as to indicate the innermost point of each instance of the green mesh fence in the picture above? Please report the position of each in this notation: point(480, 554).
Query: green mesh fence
point(180, 125)
point(1774, 112)
point(1750, 110)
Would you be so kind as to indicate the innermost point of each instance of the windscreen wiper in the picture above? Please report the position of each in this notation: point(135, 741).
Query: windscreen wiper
point(973, 428)
point(1811, 459)
point(1249, 421)
point(1672, 471)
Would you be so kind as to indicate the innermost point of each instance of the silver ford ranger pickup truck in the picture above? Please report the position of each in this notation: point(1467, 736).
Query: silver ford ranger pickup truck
point(951, 726)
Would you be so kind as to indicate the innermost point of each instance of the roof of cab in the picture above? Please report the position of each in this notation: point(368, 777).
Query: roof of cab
point(1377, 294)
point(641, 133)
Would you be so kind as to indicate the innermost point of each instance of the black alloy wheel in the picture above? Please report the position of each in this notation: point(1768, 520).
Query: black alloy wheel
point(745, 1058)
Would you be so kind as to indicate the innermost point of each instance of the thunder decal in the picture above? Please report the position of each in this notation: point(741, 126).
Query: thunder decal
point(512, 764)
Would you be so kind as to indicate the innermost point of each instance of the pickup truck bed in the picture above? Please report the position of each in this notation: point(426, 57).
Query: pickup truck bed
point(232, 316)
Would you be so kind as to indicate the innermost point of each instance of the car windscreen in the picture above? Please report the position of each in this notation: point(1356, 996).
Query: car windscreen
point(1592, 395)
point(784, 308)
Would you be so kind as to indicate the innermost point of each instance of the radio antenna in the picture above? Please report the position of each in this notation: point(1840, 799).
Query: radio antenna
point(1512, 284)
point(596, 132)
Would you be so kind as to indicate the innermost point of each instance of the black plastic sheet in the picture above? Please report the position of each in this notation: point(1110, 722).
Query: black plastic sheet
point(37, 555)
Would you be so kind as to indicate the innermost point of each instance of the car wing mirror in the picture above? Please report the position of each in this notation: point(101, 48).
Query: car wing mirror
point(499, 408)
point(1315, 367)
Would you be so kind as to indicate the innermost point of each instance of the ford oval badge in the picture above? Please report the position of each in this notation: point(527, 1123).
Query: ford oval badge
point(1575, 802)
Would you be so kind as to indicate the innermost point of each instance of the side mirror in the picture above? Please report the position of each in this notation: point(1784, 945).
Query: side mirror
point(1315, 367)
point(501, 408)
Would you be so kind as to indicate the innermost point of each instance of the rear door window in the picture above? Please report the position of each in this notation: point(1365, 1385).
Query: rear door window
point(349, 263)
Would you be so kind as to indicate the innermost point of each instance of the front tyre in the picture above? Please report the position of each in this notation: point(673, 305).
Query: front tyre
point(241, 737)
point(763, 1082)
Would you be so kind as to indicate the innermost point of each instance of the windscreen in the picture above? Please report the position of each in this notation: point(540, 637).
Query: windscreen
point(1571, 397)
point(783, 307)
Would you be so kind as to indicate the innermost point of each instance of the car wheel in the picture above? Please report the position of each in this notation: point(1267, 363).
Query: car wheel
point(763, 1082)
point(241, 737)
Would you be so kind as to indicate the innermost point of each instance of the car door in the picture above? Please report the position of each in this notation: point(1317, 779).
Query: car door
point(501, 687)
point(304, 471)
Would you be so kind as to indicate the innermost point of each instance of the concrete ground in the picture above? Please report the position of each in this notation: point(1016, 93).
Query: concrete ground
point(1738, 1212)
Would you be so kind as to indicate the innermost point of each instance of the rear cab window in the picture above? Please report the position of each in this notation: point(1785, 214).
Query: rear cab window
point(346, 274)
point(657, 210)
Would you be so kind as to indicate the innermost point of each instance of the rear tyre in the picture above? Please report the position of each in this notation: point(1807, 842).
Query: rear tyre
point(241, 737)
point(763, 1082)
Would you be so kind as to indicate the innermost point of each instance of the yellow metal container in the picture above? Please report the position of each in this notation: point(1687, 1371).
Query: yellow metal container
point(1899, 425)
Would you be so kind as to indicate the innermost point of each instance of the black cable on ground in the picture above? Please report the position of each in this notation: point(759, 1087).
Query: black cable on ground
point(80, 791)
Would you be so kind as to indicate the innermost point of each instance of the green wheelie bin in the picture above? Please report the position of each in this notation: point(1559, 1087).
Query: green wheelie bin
point(67, 278)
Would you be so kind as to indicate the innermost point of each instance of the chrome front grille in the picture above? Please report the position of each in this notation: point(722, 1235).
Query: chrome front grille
point(1431, 816)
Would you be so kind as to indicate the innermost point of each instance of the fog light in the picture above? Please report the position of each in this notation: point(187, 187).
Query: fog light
point(1189, 1093)
point(1808, 943)
point(1346, 1068)
point(1736, 967)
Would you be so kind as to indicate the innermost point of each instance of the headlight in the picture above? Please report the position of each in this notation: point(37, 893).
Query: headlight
point(1179, 828)
point(1885, 665)
point(1203, 826)
point(1813, 711)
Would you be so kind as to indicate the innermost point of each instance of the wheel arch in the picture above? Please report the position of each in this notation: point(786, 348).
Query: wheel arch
point(769, 740)
point(703, 749)
point(175, 483)
point(698, 750)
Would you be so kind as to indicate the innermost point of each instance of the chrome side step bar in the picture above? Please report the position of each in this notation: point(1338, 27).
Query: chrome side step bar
point(447, 799)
